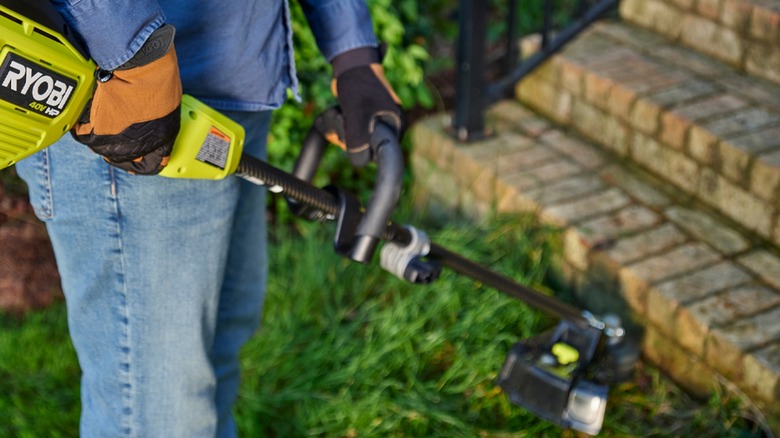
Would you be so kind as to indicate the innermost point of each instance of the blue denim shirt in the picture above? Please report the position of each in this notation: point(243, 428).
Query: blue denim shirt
point(233, 54)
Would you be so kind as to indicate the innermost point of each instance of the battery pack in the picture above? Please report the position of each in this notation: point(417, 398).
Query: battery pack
point(45, 82)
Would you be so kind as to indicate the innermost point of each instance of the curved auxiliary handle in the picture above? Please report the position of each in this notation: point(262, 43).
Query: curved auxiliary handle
point(385, 150)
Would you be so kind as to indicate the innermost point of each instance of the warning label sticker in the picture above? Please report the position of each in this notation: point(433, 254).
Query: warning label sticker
point(215, 149)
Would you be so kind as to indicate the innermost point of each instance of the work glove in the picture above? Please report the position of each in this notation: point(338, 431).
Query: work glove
point(365, 97)
point(134, 115)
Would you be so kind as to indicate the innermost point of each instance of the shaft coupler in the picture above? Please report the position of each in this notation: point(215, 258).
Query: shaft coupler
point(407, 263)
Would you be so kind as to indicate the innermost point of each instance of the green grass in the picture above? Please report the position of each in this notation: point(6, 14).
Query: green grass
point(39, 376)
point(348, 350)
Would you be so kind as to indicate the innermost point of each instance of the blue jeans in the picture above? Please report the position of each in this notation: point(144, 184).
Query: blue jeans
point(164, 281)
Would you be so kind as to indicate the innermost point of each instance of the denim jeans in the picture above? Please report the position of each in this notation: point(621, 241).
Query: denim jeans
point(164, 281)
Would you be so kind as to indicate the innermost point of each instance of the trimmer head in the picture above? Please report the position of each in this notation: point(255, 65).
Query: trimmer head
point(560, 375)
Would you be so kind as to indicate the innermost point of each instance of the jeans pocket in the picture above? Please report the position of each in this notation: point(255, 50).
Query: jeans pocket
point(35, 171)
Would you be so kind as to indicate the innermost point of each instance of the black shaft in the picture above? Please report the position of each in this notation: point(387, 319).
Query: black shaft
point(279, 181)
point(480, 273)
point(506, 285)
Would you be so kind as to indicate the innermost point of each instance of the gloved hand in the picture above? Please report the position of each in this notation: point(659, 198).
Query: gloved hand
point(134, 115)
point(365, 98)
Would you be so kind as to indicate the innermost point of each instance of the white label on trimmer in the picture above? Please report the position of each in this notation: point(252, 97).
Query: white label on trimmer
point(215, 149)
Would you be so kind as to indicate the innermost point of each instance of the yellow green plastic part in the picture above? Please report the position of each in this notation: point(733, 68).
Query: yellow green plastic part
point(45, 83)
point(26, 129)
point(565, 353)
point(209, 144)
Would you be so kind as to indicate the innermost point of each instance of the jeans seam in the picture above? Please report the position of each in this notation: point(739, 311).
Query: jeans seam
point(47, 204)
point(125, 367)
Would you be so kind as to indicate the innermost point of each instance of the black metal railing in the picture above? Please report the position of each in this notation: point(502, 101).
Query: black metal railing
point(474, 93)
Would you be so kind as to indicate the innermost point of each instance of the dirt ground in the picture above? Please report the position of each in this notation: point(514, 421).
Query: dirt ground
point(28, 272)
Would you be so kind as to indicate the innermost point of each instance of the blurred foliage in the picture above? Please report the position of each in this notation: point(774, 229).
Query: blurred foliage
point(10, 183)
point(413, 31)
point(420, 39)
point(403, 65)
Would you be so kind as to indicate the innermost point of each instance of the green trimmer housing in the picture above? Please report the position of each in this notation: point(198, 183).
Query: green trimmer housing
point(45, 81)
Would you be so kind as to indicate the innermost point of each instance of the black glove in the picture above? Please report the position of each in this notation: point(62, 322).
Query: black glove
point(365, 98)
point(134, 115)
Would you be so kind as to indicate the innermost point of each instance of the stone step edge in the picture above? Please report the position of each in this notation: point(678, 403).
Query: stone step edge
point(742, 33)
point(641, 118)
point(598, 246)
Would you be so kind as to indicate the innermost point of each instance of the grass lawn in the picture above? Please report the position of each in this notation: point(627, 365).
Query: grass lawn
point(348, 350)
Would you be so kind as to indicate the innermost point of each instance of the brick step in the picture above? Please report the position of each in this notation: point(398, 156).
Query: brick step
point(703, 126)
point(743, 33)
point(705, 295)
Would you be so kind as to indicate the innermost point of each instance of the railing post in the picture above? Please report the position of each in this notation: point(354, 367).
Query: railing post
point(512, 47)
point(468, 123)
point(547, 23)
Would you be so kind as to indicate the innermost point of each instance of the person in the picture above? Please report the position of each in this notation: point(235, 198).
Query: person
point(164, 278)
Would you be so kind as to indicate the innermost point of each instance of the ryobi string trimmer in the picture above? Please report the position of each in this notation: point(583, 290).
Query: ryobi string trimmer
point(46, 80)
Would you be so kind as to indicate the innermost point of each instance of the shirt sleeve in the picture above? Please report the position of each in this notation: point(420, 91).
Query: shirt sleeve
point(339, 25)
point(113, 30)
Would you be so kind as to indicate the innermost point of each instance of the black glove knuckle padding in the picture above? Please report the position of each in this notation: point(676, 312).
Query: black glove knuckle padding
point(364, 101)
point(152, 141)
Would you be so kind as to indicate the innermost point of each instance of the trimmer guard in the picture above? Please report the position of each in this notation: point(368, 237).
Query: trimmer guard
point(545, 375)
